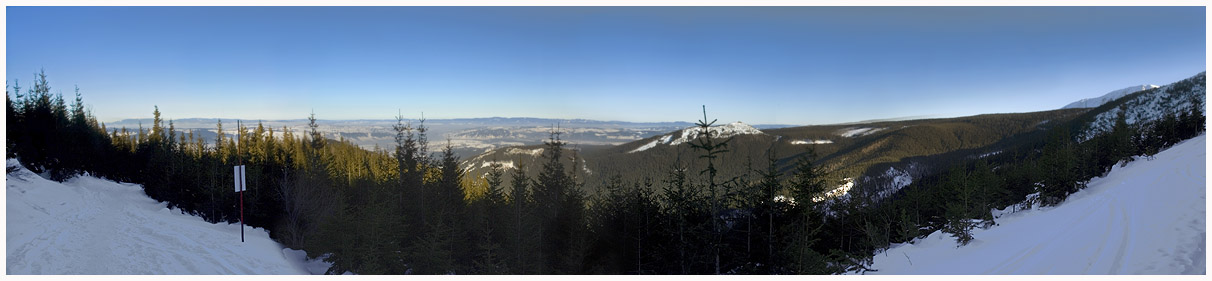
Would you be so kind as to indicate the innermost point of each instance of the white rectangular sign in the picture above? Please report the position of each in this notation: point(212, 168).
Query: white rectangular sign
point(239, 178)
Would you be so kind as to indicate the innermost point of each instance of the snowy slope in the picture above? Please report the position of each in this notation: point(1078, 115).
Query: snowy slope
point(1152, 105)
point(1113, 95)
point(858, 131)
point(721, 131)
point(1146, 218)
point(691, 133)
point(88, 225)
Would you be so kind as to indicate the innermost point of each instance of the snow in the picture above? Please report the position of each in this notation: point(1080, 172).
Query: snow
point(504, 164)
point(1148, 217)
point(722, 131)
point(88, 225)
point(585, 167)
point(784, 199)
point(1150, 106)
point(899, 179)
point(1113, 95)
point(811, 141)
point(989, 154)
point(691, 133)
point(646, 146)
point(858, 131)
point(840, 190)
point(532, 152)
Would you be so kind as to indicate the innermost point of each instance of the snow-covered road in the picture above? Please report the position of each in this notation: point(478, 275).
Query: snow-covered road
point(1146, 218)
point(93, 226)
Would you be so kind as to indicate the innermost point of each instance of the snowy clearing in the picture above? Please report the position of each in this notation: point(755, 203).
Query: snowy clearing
point(810, 141)
point(505, 165)
point(1146, 218)
point(532, 152)
point(646, 146)
point(853, 132)
point(88, 225)
point(721, 131)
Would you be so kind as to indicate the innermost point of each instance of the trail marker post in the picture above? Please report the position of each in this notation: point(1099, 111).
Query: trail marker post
point(239, 183)
point(239, 176)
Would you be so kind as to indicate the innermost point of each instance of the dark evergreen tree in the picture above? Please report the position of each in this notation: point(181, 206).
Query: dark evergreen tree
point(711, 150)
point(807, 182)
point(684, 208)
point(523, 247)
point(1060, 160)
point(770, 186)
point(959, 209)
point(559, 208)
point(487, 227)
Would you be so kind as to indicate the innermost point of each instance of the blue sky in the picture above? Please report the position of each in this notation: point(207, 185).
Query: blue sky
point(761, 65)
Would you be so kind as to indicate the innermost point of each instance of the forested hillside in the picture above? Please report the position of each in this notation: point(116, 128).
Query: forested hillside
point(859, 151)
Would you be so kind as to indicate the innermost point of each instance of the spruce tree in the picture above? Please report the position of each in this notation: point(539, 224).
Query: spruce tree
point(683, 206)
point(711, 150)
point(959, 209)
point(807, 182)
point(771, 184)
point(520, 204)
point(488, 253)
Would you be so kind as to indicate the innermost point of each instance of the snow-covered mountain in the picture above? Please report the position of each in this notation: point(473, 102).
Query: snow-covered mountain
point(1113, 95)
point(689, 134)
point(1147, 217)
point(1152, 105)
point(88, 225)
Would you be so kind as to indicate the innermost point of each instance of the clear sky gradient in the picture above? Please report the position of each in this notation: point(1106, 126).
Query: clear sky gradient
point(785, 65)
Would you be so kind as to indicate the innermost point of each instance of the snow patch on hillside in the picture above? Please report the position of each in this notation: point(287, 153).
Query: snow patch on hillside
point(504, 164)
point(1148, 217)
point(899, 179)
point(1113, 95)
point(808, 141)
point(722, 131)
point(532, 152)
point(646, 146)
point(852, 132)
point(839, 191)
point(989, 154)
point(665, 139)
point(585, 167)
point(88, 225)
point(691, 133)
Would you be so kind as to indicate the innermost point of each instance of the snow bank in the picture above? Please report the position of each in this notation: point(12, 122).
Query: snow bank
point(88, 225)
point(1146, 218)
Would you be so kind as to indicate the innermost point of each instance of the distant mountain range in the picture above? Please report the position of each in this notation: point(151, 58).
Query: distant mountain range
point(469, 136)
